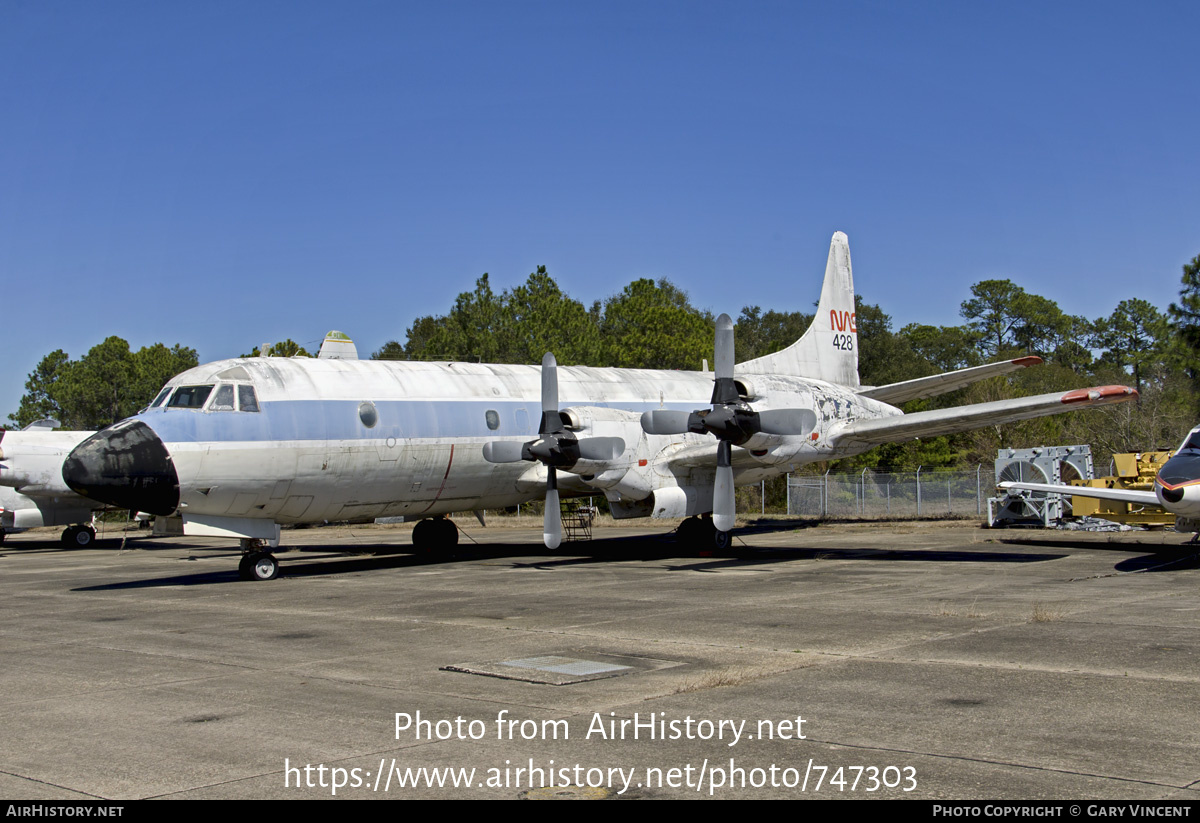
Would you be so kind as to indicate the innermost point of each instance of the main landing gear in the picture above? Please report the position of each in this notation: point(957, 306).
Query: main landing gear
point(78, 537)
point(699, 533)
point(257, 564)
point(435, 533)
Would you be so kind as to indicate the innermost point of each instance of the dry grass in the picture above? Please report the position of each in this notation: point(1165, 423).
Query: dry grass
point(1045, 614)
point(735, 676)
point(949, 611)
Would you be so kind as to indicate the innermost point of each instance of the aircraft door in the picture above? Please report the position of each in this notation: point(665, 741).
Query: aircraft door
point(424, 469)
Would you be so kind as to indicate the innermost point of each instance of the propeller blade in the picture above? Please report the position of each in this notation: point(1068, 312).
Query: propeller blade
point(552, 523)
point(601, 448)
point(549, 383)
point(725, 391)
point(787, 421)
point(502, 451)
point(723, 505)
point(723, 349)
point(665, 421)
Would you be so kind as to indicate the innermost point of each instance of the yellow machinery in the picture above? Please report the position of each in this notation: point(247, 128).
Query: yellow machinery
point(1134, 471)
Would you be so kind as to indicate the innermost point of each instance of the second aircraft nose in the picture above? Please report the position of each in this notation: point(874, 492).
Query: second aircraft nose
point(125, 465)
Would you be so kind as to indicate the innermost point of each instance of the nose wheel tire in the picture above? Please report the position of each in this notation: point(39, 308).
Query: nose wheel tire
point(258, 566)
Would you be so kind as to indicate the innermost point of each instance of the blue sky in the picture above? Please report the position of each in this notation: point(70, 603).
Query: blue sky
point(220, 174)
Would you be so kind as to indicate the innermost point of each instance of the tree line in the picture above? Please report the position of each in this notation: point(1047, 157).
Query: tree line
point(107, 384)
point(653, 324)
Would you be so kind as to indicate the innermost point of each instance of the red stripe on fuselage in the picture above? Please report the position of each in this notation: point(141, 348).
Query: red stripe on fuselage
point(445, 476)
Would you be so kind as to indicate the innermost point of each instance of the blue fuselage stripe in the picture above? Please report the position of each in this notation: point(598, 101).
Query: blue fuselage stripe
point(291, 420)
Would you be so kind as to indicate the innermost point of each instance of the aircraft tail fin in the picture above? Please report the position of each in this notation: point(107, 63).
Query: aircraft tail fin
point(338, 346)
point(829, 349)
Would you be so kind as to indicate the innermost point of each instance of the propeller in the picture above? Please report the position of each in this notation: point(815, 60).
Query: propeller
point(555, 448)
point(730, 420)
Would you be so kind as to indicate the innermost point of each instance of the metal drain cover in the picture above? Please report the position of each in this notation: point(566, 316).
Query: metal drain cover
point(562, 669)
point(564, 665)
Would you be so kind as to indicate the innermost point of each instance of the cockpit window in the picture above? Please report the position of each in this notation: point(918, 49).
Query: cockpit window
point(223, 399)
point(1192, 441)
point(189, 397)
point(158, 401)
point(247, 401)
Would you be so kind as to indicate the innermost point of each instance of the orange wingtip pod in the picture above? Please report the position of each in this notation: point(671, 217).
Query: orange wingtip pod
point(1031, 360)
point(1101, 394)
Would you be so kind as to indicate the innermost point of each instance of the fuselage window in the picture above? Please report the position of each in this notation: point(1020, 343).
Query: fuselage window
point(223, 399)
point(189, 397)
point(493, 419)
point(247, 400)
point(367, 414)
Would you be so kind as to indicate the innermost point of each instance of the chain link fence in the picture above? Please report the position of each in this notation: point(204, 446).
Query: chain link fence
point(891, 494)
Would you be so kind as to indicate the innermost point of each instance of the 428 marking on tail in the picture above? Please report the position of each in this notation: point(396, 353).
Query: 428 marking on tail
point(845, 342)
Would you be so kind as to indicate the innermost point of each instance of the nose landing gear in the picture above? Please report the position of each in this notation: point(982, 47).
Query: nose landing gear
point(257, 564)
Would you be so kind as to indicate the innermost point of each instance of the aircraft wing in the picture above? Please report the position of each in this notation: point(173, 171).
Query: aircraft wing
point(896, 393)
point(704, 456)
point(1120, 495)
point(948, 421)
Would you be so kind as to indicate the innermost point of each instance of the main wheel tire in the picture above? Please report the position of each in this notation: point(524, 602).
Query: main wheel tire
point(423, 536)
point(722, 540)
point(435, 534)
point(690, 532)
point(447, 533)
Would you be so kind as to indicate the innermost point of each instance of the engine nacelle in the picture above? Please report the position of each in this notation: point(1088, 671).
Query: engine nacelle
point(682, 501)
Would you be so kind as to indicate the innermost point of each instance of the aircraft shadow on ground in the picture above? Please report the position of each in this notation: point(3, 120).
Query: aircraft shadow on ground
point(1181, 557)
point(319, 561)
point(141, 543)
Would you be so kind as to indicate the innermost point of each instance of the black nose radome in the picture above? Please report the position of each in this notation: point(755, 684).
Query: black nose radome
point(127, 466)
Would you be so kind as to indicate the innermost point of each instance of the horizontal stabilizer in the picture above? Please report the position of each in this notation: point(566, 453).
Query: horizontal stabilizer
point(1143, 498)
point(948, 421)
point(896, 393)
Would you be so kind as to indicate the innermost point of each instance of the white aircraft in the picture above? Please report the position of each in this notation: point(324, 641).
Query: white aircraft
point(32, 491)
point(1176, 487)
point(237, 447)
